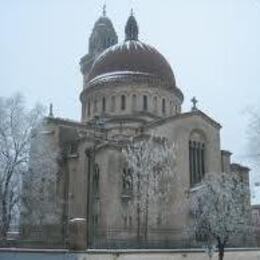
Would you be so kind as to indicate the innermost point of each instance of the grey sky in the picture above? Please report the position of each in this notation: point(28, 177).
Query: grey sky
point(213, 47)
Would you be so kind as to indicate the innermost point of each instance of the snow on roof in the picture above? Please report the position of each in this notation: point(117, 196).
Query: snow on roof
point(128, 45)
point(118, 74)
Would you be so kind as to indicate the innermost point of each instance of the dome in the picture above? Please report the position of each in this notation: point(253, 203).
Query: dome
point(103, 21)
point(132, 57)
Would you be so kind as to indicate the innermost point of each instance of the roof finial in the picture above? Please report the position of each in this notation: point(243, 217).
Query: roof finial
point(194, 102)
point(104, 10)
point(132, 12)
point(51, 110)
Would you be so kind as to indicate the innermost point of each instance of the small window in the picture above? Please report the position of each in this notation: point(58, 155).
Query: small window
point(123, 102)
point(125, 221)
point(113, 104)
point(73, 148)
point(130, 222)
point(103, 104)
point(155, 104)
point(171, 107)
point(159, 220)
point(134, 102)
point(145, 103)
point(95, 105)
point(163, 106)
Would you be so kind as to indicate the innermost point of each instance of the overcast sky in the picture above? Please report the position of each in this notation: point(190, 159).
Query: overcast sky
point(213, 47)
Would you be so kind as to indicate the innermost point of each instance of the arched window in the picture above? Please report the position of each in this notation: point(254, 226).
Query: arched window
point(123, 102)
point(155, 104)
point(103, 104)
point(197, 155)
point(171, 108)
point(95, 105)
point(163, 106)
point(113, 104)
point(134, 102)
point(145, 103)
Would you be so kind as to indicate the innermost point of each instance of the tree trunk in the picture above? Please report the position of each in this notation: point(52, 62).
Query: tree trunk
point(146, 217)
point(221, 250)
point(138, 223)
point(138, 209)
point(146, 209)
point(5, 224)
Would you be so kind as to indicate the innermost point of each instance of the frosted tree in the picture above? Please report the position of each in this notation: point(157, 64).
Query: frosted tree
point(221, 210)
point(152, 169)
point(41, 204)
point(254, 137)
point(16, 125)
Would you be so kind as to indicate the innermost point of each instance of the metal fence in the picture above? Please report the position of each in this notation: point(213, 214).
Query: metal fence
point(157, 239)
point(53, 237)
point(48, 236)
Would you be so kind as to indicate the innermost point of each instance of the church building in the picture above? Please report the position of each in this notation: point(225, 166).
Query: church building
point(129, 91)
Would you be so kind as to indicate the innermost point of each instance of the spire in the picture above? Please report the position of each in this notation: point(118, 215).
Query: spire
point(131, 28)
point(104, 10)
point(51, 110)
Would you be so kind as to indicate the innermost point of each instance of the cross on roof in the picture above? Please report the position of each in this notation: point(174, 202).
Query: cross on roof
point(194, 102)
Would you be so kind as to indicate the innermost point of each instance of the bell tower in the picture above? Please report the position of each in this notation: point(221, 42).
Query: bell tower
point(102, 37)
point(131, 28)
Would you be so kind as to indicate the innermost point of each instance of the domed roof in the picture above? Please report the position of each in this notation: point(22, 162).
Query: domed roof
point(132, 57)
point(103, 21)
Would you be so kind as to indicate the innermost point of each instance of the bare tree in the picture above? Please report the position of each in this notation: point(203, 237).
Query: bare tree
point(221, 210)
point(39, 190)
point(16, 125)
point(42, 195)
point(152, 164)
point(254, 136)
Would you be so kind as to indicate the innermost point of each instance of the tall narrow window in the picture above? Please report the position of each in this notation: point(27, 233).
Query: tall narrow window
point(163, 106)
point(171, 108)
point(155, 104)
point(197, 147)
point(103, 104)
point(95, 106)
point(134, 102)
point(89, 107)
point(123, 102)
point(96, 179)
point(113, 104)
point(145, 103)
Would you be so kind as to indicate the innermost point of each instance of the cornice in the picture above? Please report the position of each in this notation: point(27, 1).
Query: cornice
point(183, 116)
point(130, 79)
